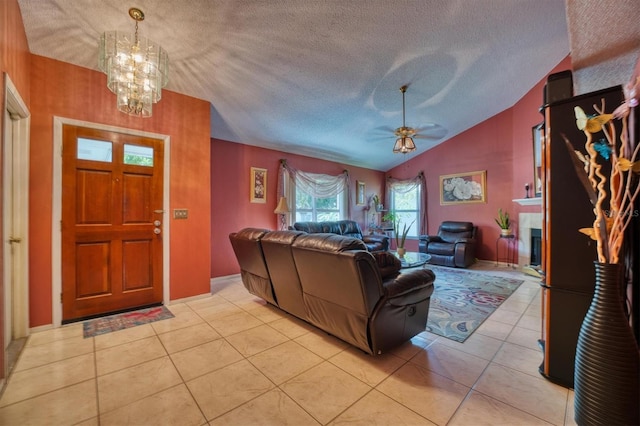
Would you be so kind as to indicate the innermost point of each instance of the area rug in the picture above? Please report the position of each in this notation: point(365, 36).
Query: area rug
point(462, 300)
point(117, 322)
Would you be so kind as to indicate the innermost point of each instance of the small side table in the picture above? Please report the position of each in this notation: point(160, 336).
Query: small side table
point(509, 244)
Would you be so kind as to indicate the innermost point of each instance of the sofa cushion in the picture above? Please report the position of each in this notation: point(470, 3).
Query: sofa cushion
point(388, 264)
point(329, 242)
point(309, 227)
point(347, 228)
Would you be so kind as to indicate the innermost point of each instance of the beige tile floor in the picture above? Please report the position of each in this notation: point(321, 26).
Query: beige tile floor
point(230, 359)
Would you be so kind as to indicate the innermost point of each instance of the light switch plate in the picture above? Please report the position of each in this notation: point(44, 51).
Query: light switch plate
point(180, 213)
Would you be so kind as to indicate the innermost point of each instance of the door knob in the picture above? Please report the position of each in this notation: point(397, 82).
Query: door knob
point(156, 231)
point(157, 223)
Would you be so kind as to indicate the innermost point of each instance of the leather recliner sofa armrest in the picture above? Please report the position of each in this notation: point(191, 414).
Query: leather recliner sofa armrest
point(417, 283)
point(465, 240)
point(375, 238)
point(430, 238)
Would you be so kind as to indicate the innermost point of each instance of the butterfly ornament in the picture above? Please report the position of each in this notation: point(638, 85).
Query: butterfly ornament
point(591, 124)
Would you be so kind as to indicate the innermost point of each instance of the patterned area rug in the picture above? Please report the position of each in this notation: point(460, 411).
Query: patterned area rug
point(462, 300)
point(117, 322)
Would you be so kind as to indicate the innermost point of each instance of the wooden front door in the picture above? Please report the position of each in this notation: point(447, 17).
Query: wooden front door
point(111, 222)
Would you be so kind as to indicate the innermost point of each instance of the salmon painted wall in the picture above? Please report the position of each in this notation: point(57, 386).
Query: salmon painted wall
point(501, 145)
point(65, 90)
point(14, 61)
point(231, 209)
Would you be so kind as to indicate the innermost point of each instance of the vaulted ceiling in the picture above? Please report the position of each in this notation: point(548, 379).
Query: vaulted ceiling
point(322, 78)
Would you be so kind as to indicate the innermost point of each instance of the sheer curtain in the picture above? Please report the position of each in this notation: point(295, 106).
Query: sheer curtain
point(401, 186)
point(316, 184)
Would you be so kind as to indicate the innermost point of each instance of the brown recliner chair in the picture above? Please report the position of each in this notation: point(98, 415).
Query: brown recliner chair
point(455, 244)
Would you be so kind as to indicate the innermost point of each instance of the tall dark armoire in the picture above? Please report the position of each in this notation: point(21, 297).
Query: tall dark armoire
point(567, 255)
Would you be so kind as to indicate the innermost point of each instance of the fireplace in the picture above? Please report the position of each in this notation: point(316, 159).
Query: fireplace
point(529, 239)
point(536, 247)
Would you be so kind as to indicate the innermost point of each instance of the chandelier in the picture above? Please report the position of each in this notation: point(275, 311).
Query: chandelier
point(137, 68)
point(404, 144)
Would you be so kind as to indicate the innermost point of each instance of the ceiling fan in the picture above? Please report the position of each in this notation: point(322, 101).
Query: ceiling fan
point(404, 143)
point(405, 135)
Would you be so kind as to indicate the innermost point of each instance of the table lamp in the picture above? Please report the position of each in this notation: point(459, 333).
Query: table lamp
point(282, 210)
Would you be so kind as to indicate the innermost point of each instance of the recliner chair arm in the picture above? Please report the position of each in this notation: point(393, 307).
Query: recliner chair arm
point(465, 241)
point(430, 238)
point(411, 284)
point(375, 238)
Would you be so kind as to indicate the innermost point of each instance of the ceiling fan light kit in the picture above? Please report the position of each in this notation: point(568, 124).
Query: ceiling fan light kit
point(404, 144)
point(137, 68)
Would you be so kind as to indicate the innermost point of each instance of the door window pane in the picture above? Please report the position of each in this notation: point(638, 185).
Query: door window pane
point(138, 155)
point(89, 149)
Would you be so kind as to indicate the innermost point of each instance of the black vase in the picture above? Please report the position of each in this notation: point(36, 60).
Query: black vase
point(607, 375)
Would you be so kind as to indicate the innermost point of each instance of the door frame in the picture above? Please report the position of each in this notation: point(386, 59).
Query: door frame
point(56, 237)
point(16, 114)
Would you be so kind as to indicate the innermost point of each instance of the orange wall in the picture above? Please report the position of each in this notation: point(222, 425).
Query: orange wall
point(501, 145)
point(230, 206)
point(65, 90)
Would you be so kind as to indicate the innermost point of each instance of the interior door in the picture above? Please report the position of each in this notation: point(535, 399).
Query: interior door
point(111, 222)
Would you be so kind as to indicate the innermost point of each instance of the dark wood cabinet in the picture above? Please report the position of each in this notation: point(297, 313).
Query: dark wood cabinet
point(567, 255)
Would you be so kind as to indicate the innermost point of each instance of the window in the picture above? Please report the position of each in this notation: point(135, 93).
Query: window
point(138, 155)
point(89, 149)
point(315, 197)
point(405, 202)
point(309, 208)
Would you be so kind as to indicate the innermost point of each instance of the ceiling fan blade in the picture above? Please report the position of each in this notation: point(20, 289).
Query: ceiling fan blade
point(384, 129)
point(429, 137)
point(427, 126)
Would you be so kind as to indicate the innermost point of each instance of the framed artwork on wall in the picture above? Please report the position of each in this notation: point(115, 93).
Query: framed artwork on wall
point(537, 132)
point(462, 188)
point(360, 193)
point(258, 185)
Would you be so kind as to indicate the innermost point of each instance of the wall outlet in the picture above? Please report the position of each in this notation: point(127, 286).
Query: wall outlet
point(180, 213)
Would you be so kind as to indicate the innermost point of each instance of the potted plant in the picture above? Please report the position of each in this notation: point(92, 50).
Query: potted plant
point(400, 235)
point(504, 222)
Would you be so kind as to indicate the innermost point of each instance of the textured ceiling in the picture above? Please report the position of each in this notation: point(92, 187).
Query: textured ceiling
point(605, 42)
point(322, 77)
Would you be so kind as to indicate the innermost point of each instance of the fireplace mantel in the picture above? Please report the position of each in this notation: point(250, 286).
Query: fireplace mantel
point(536, 201)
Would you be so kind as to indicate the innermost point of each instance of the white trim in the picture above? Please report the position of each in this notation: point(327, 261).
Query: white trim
point(528, 201)
point(56, 231)
point(21, 123)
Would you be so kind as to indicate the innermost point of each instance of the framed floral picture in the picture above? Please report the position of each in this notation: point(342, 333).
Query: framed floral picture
point(360, 196)
point(460, 188)
point(258, 185)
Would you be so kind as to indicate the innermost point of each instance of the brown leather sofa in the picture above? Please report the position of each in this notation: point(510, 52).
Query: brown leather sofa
point(455, 244)
point(348, 228)
point(334, 283)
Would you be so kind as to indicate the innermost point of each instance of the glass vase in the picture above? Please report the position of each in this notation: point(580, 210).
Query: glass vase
point(607, 376)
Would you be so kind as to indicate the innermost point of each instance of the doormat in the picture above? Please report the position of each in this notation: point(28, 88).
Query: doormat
point(116, 322)
point(462, 300)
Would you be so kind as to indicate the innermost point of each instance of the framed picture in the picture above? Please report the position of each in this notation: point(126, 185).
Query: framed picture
point(360, 195)
point(537, 132)
point(258, 185)
point(460, 188)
